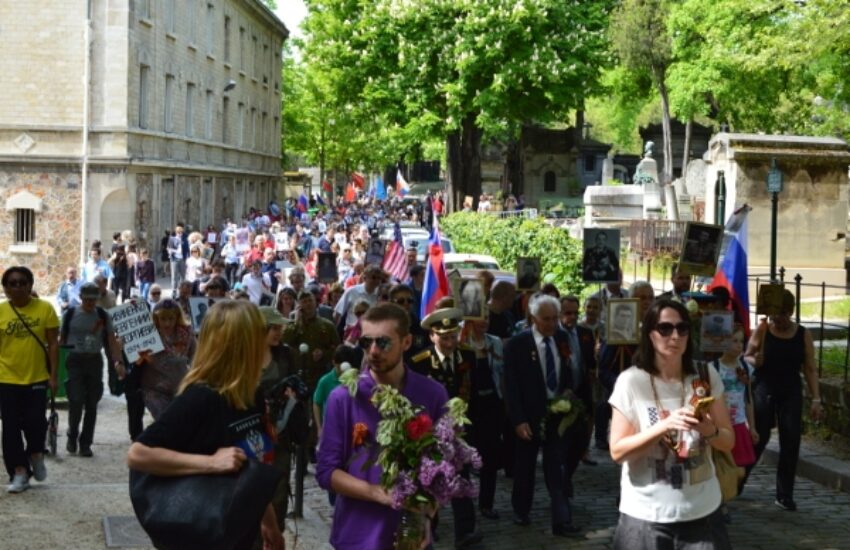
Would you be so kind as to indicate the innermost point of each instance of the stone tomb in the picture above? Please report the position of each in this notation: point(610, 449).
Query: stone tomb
point(813, 207)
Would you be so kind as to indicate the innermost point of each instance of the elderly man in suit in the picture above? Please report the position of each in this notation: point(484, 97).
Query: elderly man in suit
point(538, 368)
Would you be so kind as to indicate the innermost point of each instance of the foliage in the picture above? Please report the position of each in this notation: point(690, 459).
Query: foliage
point(414, 71)
point(507, 239)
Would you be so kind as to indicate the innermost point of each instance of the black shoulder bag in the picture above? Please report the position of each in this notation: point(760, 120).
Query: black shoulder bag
point(41, 344)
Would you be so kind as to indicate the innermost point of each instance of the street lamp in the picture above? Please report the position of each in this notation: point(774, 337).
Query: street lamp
point(720, 199)
point(774, 187)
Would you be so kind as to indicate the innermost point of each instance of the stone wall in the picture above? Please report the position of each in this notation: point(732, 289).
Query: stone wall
point(57, 226)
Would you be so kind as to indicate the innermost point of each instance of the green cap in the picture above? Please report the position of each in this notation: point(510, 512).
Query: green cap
point(272, 316)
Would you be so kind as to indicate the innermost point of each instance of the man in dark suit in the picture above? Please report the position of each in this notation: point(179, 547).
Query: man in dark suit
point(538, 368)
point(583, 362)
point(452, 367)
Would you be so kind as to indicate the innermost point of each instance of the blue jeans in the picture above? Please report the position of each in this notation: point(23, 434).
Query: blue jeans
point(144, 288)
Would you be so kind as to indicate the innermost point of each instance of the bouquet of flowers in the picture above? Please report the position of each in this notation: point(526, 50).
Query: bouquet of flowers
point(565, 410)
point(422, 461)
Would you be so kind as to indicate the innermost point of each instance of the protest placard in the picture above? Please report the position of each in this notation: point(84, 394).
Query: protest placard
point(134, 325)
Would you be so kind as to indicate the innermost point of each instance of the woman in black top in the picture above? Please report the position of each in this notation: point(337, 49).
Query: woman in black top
point(120, 274)
point(779, 350)
point(218, 420)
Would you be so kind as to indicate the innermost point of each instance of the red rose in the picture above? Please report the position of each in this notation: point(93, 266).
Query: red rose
point(418, 427)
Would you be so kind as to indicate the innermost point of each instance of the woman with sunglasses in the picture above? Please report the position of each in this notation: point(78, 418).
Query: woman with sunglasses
point(29, 361)
point(669, 493)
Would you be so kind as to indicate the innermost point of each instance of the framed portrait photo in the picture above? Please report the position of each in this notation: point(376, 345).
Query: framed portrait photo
point(716, 330)
point(622, 325)
point(375, 252)
point(471, 299)
point(700, 249)
point(601, 259)
point(198, 307)
point(326, 269)
point(769, 301)
point(528, 274)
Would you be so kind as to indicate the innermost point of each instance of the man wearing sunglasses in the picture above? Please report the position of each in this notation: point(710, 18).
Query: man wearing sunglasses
point(452, 367)
point(402, 296)
point(363, 517)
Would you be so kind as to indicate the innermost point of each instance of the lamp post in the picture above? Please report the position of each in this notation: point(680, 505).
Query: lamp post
point(720, 198)
point(774, 187)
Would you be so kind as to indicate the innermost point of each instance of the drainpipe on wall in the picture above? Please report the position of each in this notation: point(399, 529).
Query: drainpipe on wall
point(84, 184)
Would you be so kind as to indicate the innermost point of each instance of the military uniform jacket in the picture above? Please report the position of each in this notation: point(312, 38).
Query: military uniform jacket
point(318, 333)
point(457, 381)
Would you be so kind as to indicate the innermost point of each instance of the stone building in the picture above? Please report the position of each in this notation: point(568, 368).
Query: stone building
point(132, 114)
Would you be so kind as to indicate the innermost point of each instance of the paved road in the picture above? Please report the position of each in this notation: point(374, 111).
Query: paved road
point(67, 511)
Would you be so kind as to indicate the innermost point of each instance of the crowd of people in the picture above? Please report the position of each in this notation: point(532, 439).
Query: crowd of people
point(229, 389)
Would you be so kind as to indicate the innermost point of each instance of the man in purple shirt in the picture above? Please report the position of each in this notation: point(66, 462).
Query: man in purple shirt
point(363, 518)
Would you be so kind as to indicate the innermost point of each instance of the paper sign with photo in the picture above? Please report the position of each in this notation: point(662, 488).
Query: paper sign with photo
point(243, 239)
point(281, 241)
point(716, 329)
point(326, 270)
point(769, 300)
point(601, 260)
point(198, 306)
point(472, 299)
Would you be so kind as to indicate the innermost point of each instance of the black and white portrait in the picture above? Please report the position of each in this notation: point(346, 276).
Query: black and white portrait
point(623, 322)
point(700, 249)
point(375, 254)
point(326, 269)
point(528, 274)
point(473, 300)
point(198, 307)
point(601, 261)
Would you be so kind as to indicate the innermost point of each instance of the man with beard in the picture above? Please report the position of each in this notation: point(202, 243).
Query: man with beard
point(363, 516)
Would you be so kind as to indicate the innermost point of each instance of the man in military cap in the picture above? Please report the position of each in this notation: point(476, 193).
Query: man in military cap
point(445, 362)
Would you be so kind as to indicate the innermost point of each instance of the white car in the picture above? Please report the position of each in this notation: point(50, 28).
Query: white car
point(470, 261)
point(421, 244)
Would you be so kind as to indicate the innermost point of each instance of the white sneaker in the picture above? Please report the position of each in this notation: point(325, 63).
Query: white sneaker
point(39, 470)
point(20, 483)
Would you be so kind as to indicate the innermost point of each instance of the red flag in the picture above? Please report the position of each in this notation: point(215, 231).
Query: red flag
point(350, 193)
point(358, 180)
point(326, 186)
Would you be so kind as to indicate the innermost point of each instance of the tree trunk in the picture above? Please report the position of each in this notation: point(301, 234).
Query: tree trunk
point(579, 129)
point(686, 155)
point(513, 159)
point(667, 170)
point(463, 156)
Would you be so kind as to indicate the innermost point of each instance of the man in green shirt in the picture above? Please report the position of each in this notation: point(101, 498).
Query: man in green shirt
point(318, 337)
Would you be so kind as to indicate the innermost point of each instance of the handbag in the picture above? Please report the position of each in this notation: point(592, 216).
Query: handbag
point(728, 473)
point(204, 511)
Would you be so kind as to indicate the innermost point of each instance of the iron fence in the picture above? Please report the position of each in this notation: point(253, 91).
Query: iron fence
point(652, 237)
point(826, 333)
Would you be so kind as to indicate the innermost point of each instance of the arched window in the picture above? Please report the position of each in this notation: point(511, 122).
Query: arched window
point(549, 182)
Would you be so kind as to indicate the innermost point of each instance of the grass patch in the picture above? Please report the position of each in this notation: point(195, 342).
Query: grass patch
point(835, 309)
point(833, 362)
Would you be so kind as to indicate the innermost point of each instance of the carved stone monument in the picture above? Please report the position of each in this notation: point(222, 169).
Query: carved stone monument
point(646, 176)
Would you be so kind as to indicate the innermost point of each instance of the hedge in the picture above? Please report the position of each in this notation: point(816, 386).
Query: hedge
point(507, 239)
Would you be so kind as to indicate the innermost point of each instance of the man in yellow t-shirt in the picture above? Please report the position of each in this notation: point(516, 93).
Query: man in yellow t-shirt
point(29, 357)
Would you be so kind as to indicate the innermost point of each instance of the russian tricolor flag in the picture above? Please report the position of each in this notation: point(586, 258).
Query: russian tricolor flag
point(732, 269)
point(303, 203)
point(401, 186)
point(436, 281)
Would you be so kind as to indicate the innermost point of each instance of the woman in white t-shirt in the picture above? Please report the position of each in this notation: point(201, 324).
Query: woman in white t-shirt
point(670, 496)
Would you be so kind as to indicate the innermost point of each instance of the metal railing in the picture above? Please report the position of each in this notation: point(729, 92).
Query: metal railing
point(821, 327)
point(525, 213)
point(653, 237)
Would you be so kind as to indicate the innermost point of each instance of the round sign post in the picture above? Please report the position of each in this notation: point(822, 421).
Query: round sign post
point(774, 187)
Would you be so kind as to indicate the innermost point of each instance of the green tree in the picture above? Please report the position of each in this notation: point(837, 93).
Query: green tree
point(458, 70)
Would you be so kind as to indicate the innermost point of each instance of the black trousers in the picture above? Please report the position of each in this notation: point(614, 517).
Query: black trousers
point(555, 473)
point(783, 408)
point(23, 410)
point(135, 402)
point(487, 416)
point(84, 387)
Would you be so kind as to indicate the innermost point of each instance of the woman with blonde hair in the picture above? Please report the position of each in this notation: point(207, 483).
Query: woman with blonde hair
point(218, 420)
point(162, 372)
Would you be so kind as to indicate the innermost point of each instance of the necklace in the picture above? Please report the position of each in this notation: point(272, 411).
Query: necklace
point(671, 438)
